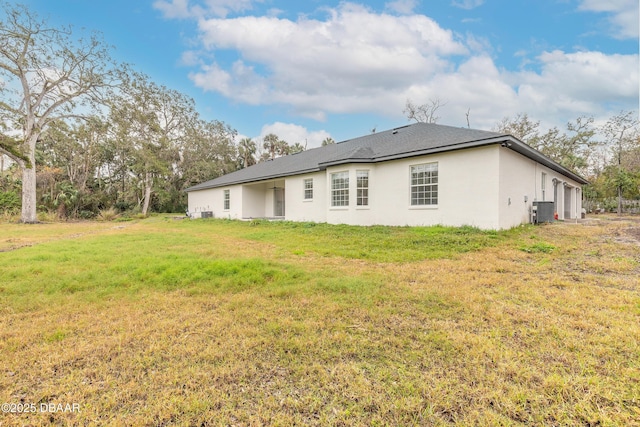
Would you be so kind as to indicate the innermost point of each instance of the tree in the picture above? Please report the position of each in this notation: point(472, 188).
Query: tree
point(328, 141)
point(246, 152)
point(117, 159)
point(522, 128)
point(296, 148)
point(154, 121)
point(425, 113)
point(70, 160)
point(47, 76)
point(622, 136)
point(283, 148)
point(75, 148)
point(572, 150)
point(270, 143)
point(208, 152)
point(275, 147)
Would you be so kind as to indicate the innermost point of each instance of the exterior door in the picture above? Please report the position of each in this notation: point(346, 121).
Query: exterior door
point(278, 202)
point(555, 196)
point(568, 208)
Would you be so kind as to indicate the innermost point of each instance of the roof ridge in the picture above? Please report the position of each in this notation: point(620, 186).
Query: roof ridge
point(406, 141)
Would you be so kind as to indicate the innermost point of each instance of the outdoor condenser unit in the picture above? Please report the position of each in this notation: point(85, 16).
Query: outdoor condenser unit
point(543, 212)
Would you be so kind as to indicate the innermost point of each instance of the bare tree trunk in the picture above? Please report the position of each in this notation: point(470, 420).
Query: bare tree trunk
point(29, 195)
point(29, 199)
point(619, 200)
point(147, 193)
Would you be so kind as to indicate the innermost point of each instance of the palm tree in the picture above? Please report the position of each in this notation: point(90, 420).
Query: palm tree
point(282, 148)
point(271, 145)
point(296, 148)
point(246, 151)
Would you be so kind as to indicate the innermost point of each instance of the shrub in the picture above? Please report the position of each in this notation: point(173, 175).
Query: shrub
point(108, 214)
point(49, 216)
point(10, 203)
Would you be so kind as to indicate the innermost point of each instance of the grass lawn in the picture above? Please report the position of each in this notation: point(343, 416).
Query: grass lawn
point(212, 322)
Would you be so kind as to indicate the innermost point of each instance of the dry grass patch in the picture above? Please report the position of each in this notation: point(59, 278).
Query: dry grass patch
point(207, 323)
point(15, 235)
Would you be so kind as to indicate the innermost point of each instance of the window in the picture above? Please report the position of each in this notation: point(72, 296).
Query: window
point(308, 189)
point(424, 184)
point(340, 189)
point(543, 184)
point(362, 188)
point(227, 200)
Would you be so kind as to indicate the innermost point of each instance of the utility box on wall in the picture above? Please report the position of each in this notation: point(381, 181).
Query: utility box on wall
point(543, 212)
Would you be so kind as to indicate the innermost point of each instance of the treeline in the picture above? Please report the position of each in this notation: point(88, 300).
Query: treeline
point(81, 134)
point(607, 155)
point(138, 158)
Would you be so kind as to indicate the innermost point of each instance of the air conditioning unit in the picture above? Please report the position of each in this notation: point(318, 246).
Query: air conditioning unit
point(543, 212)
point(206, 214)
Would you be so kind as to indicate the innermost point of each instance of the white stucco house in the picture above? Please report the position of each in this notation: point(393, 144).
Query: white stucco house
point(419, 174)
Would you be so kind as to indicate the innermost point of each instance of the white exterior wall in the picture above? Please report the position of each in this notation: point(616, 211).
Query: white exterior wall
point(467, 191)
point(201, 201)
point(253, 200)
point(352, 214)
point(212, 200)
point(489, 187)
point(521, 185)
point(517, 188)
point(259, 199)
point(299, 209)
point(235, 202)
point(470, 181)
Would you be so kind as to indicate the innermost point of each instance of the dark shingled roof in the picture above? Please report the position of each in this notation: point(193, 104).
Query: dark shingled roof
point(403, 142)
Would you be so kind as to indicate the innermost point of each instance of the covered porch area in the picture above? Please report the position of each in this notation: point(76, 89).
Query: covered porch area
point(265, 199)
point(567, 200)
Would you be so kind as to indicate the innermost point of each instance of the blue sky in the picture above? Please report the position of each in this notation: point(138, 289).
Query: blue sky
point(310, 69)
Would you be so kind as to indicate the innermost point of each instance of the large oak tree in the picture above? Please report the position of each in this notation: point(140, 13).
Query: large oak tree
point(47, 75)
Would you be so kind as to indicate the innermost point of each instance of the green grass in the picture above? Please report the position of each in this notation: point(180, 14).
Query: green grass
point(213, 322)
point(375, 243)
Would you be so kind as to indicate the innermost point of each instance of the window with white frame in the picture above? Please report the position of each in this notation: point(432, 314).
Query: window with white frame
point(543, 184)
point(340, 189)
point(308, 189)
point(362, 188)
point(424, 184)
point(227, 200)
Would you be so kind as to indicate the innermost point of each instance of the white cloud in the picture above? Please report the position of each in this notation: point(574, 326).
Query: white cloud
point(292, 133)
point(592, 75)
point(241, 83)
point(200, 9)
point(623, 15)
point(467, 4)
point(180, 9)
point(360, 61)
point(477, 87)
point(403, 7)
point(173, 8)
point(342, 64)
point(567, 86)
point(581, 83)
point(190, 58)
